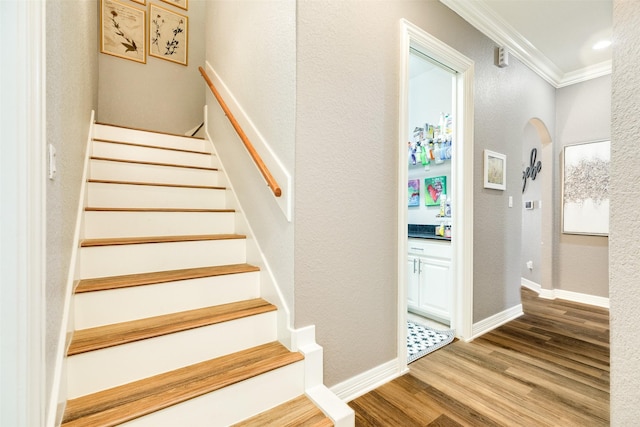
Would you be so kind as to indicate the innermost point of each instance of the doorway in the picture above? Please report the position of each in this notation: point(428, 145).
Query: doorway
point(418, 41)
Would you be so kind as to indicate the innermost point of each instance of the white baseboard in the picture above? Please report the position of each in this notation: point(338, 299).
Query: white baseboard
point(498, 319)
point(531, 285)
point(365, 382)
point(566, 295)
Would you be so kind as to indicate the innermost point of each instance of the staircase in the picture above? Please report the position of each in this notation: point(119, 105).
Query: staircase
point(169, 325)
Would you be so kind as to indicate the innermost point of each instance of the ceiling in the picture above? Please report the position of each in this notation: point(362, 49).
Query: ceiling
point(552, 37)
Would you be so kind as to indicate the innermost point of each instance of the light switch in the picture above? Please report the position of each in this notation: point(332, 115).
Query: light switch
point(510, 201)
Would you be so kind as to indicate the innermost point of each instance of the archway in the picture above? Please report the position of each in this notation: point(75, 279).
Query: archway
point(537, 215)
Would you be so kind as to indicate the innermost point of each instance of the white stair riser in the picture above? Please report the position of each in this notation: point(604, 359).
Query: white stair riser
point(114, 133)
point(148, 196)
point(93, 309)
point(105, 224)
point(137, 172)
point(116, 260)
point(233, 403)
point(150, 154)
point(102, 369)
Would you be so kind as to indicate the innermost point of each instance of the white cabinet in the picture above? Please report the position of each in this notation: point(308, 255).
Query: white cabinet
point(429, 278)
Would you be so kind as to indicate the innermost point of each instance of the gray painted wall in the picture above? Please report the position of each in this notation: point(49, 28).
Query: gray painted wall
point(159, 95)
point(624, 232)
point(72, 74)
point(346, 172)
point(583, 114)
point(532, 218)
point(251, 45)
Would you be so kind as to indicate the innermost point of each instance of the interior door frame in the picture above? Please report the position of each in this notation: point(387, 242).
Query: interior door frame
point(462, 177)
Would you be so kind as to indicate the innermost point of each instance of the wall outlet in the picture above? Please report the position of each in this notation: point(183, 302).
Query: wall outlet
point(530, 265)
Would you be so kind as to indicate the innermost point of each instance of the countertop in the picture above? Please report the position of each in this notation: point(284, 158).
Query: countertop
point(421, 231)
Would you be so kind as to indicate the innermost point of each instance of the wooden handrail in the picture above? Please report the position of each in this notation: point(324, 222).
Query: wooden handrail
point(271, 182)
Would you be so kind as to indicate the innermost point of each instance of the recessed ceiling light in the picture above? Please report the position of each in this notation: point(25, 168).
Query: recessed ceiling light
point(602, 44)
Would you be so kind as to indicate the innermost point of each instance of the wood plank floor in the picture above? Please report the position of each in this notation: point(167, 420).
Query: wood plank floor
point(549, 367)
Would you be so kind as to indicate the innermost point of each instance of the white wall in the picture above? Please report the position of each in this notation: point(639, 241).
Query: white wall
point(346, 172)
point(430, 94)
point(583, 114)
point(72, 73)
point(624, 232)
point(159, 95)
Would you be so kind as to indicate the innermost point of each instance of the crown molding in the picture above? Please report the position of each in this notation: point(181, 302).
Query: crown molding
point(587, 73)
point(480, 16)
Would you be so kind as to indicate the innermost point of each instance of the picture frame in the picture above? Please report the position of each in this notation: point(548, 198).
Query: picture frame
point(123, 31)
point(413, 192)
point(182, 4)
point(435, 187)
point(585, 188)
point(168, 35)
point(495, 170)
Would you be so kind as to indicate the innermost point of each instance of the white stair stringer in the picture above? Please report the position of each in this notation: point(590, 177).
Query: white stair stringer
point(136, 171)
point(109, 367)
point(233, 403)
point(101, 224)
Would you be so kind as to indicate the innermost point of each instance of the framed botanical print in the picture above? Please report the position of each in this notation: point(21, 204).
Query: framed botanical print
point(168, 34)
point(122, 31)
point(182, 4)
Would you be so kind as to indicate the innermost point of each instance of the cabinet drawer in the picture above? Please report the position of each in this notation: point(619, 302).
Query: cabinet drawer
point(430, 248)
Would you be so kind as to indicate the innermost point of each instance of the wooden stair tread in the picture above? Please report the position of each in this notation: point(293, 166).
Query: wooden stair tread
point(141, 162)
point(155, 184)
point(176, 210)
point(91, 339)
point(129, 401)
point(298, 412)
point(159, 147)
point(113, 241)
point(140, 279)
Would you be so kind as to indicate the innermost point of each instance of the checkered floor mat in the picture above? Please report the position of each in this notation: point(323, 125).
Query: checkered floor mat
point(422, 340)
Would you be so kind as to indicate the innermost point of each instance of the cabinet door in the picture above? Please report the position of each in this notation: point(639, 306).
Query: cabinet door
point(435, 283)
point(413, 282)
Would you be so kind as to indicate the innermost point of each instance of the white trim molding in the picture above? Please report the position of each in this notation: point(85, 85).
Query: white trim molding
point(365, 382)
point(478, 14)
point(498, 319)
point(529, 284)
point(23, 213)
point(58, 399)
point(566, 295)
point(414, 37)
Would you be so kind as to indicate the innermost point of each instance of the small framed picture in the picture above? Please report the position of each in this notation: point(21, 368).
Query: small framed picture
point(435, 188)
point(182, 4)
point(495, 170)
point(122, 31)
point(414, 192)
point(168, 34)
